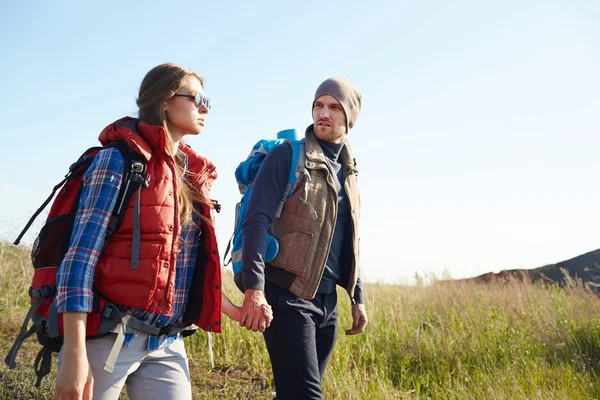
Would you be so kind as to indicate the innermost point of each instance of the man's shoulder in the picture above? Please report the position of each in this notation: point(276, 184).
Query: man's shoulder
point(283, 148)
point(280, 153)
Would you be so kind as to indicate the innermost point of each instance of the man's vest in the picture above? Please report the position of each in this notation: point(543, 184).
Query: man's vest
point(307, 223)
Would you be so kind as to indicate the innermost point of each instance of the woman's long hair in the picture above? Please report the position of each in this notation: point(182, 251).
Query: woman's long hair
point(159, 85)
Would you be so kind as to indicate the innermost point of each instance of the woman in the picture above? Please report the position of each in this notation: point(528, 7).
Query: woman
point(161, 267)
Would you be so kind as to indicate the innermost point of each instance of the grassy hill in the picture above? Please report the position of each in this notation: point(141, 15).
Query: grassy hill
point(585, 267)
point(463, 340)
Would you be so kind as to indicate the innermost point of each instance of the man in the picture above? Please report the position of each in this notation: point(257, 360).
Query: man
point(317, 231)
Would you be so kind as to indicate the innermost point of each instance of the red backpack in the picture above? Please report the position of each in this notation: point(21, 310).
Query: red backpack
point(50, 248)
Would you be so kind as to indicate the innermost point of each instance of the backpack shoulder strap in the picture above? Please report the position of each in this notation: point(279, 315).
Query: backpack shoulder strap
point(134, 176)
point(297, 164)
point(296, 171)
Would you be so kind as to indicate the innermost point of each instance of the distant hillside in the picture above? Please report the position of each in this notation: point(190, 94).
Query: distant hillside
point(586, 267)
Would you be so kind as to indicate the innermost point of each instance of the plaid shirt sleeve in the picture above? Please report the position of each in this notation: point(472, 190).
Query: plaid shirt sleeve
point(75, 276)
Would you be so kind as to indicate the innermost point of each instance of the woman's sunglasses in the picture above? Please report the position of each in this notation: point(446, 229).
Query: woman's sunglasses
point(200, 99)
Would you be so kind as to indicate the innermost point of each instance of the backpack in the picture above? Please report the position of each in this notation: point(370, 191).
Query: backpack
point(244, 175)
point(50, 247)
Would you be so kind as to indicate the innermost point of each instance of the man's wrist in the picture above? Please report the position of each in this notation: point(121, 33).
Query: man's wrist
point(255, 292)
point(254, 281)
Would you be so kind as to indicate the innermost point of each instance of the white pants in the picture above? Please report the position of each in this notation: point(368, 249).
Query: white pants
point(157, 374)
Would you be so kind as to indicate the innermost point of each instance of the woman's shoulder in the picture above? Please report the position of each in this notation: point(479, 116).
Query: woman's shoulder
point(108, 159)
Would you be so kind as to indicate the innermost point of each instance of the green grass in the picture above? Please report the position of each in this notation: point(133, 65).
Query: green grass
point(442, 341)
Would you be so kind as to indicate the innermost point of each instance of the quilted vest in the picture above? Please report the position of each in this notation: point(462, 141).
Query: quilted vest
point(151, 286)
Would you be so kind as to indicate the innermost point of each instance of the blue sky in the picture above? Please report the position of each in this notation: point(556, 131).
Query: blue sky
point(477, 144)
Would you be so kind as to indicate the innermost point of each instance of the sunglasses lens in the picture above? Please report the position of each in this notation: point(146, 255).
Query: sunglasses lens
point(202, 100)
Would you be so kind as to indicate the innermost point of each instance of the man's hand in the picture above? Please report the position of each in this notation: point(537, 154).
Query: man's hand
point(256, 313)
point(359, 319)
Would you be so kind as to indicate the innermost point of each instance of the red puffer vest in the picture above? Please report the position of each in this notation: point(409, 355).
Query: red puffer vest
point(151, 286)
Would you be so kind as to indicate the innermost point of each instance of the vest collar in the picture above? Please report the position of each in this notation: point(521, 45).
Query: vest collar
point(314, 152)
point(145, 139)
point(150, 140)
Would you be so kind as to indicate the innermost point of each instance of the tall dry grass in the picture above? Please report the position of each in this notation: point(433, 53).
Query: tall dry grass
point(440, 341)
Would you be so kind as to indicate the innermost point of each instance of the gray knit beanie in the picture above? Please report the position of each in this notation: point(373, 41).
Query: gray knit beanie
point(346, 93)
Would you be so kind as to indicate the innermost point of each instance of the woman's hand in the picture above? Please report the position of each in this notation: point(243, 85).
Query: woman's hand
point(231, 310)
point(235, 313)
point(75, 381)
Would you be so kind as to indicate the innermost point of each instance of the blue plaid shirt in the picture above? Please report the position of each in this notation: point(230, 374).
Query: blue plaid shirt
point(75, 277)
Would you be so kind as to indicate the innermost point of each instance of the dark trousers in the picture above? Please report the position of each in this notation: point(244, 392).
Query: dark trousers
point(300, 340)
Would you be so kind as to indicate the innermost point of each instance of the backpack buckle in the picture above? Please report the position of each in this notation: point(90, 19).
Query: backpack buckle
point(110, 311)
point(164, 330)
point(137, 167)
point(43, 292)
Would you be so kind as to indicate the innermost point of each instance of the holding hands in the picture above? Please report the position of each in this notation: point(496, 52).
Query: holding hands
point(256, 313)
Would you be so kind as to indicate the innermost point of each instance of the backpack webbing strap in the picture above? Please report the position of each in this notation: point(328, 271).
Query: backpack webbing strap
point(85, 160)
point(297, 165)
point(53, 320)
point(227, 250)
point(134, 325)
point(39, 210)
point(109, 365)
point(135, 246)
point(236, 256)
point(43, 365)
point(134, 180)
point(130, 324)
point(211, 352)
point(23, 334)
point(296, 171)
